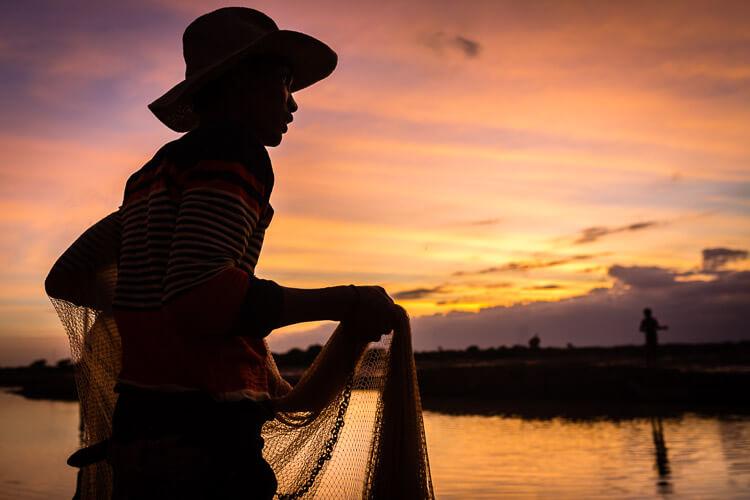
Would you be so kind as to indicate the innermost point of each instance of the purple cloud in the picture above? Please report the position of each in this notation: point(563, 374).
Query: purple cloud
point(643, 277)
point(697, 311)
point(527, 265)
point(439, 41)
point(591, 234)
point(716, 258)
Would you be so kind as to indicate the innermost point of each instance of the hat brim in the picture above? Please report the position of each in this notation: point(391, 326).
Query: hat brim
point(311, 61)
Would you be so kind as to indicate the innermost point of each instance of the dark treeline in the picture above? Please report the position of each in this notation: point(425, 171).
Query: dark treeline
point(527, 381)
point(707, 355)
point(704, 354)
point(588, 382)
point(576, 388)
point(39, 380)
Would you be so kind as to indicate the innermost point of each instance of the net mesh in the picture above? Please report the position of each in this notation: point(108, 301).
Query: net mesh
point(367, 439)
point(350, 428)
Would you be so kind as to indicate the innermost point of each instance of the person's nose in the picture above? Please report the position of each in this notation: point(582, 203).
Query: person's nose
point(292, 104)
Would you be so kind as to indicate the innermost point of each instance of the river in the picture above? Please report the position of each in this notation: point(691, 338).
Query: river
point(471, 456)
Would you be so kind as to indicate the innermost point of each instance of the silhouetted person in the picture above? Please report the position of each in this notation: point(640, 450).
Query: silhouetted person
point(534, 342)
point(195, 386)
point(650, 327)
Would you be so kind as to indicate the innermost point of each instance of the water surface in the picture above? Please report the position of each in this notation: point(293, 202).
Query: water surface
point(471, 456)
point(688, 457)
point(36, 438)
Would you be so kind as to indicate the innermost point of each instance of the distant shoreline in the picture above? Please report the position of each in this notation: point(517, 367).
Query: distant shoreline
point(533, 383)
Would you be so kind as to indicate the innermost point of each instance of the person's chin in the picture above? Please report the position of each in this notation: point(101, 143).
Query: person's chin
point(273, 141)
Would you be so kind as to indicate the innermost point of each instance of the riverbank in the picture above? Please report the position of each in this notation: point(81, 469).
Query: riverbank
point(588, 382)
point(556, 389)
point(40, 381)
point(535, 383)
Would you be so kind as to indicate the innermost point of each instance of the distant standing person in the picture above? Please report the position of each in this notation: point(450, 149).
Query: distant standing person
point(650, 327)
point(535, 342)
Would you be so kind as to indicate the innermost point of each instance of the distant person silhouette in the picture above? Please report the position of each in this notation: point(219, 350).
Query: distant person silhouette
point(535, 342)
point(650, 327)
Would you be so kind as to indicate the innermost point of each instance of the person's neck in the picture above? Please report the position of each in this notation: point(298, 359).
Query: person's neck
point(237, 129)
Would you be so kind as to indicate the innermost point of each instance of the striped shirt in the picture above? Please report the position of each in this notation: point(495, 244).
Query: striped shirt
point(190, 311)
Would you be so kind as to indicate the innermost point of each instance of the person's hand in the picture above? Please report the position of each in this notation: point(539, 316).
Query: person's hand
point(372, 314)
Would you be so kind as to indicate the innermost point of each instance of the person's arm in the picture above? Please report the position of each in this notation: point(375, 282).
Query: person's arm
point(301, 305)
point(368, 309)
point(86, 273)
point(320, 384)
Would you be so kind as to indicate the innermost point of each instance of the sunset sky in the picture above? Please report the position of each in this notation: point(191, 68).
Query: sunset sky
point(501, 168)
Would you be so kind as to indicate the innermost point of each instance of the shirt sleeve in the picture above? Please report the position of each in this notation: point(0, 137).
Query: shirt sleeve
point(86, 273)
point(204, 287)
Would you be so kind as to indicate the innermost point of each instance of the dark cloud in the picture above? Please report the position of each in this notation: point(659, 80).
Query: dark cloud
point(440, 41)
point(458, 300)
point(424, 292)
point(643, 277)
point(418, 293)
point(469, 47)
point(591, 234)
point(501, 284)
point(484, 222)
point(716, 258)
point(696, 311)
point(551, 286)
point(705, 86)
point(593, 269)
point(527, 265)
point(481, 284)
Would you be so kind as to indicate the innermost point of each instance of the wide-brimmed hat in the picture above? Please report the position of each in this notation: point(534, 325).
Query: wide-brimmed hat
point(217, 41)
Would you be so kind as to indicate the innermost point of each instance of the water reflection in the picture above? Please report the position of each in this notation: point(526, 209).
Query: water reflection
point(661, 454)
point(36, 438)
point(474, 456)
point(471, 456)
point(735, 445)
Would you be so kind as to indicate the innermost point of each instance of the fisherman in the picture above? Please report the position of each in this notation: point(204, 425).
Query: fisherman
point(650, 327)
point(194, 388)
point(535, 342)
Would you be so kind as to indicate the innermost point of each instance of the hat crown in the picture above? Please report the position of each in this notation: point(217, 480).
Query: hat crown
point(214, 36)
point(224, 38)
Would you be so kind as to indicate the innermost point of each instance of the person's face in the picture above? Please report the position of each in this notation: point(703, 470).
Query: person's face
point(266, 103)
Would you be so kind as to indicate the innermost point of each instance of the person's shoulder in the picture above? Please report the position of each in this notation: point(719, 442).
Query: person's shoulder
point(215, 159)
point(224, 166)
point(143, 178)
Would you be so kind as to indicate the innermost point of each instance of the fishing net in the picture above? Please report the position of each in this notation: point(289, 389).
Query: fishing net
point(350, 428)
point(364, 436)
